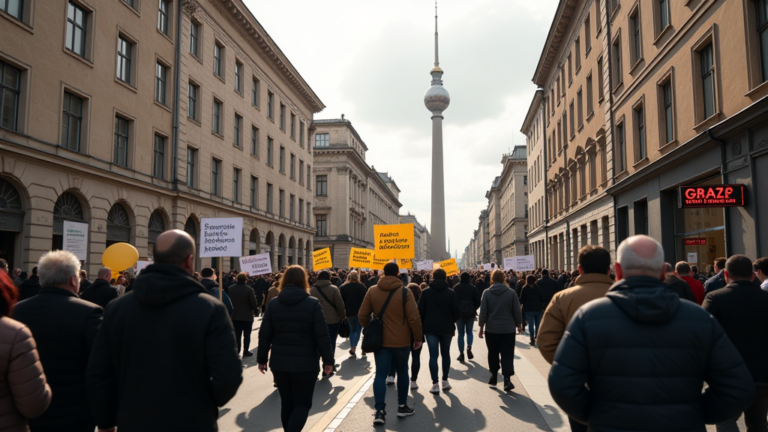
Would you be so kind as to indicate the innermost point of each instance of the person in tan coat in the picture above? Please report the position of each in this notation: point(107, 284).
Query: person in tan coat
point(24, 392)
point(593, 283)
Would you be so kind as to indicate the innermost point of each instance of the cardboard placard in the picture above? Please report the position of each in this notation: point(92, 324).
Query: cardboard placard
point(394, 241)
point(221, 237)
point(256, 265)
point(321, 259)
point(360, 257)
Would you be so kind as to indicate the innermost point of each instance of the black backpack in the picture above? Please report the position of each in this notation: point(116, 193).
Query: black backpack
point(467, 309)
point(374, 334)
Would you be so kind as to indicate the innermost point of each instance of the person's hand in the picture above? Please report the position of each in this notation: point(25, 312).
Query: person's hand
point(263, 368)
point(417, 345)
point(328, 369)
point(520, 328)
point(480, 333)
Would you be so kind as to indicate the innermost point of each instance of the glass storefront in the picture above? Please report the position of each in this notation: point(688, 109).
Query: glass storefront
point(700, 232)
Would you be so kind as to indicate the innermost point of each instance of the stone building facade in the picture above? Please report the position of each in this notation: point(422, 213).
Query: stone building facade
point(421, 237)
point(150, 115)
point(533, 128)
point(350, 196)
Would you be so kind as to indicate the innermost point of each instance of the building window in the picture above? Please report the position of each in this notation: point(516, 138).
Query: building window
point(301, 211)
point(238, 77)
point(255, 141)
point(570, 111)
point(322, 225)
point(124, 54)
point(587, 36)
point(322, 140)
point(293, 166)
point(194, 39)
point(192, 93)
point(236, 185)
point(636, 42)
point(238, 130)
point(301, 134)
point(215, 179)
point(10, 90)
point(269, 199)
point(570, 71)
point(191, 168)
point(292, 208)
point(270, 105)
point(663, 14)
point(600, 72)
point(301, 172)
point(158, 162)
point(282, 117)
point(618, 75)
point(162, 16)
point(577, 53)
point(71, 122)
point(707, 60)
point(14, 8)
point(161, 74)
point(270, 151)
point(667, 112)
point(77, 28)
point(621, 147)
point(217, 109)
point(280, 203)
point(590, 102)
point(321, 188)
point(218, 60)
point(255, 92)
point(120, 156)
point(254, 192)
point(282, 159)
point(525, 180)
point(640, 132)
point(293, 125)
point(580, 108)
point(612, 5)
point(309, 179)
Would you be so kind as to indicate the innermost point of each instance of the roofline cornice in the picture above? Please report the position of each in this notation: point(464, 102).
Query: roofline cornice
point(339, 122)
point(560, 24)
point(533, 109)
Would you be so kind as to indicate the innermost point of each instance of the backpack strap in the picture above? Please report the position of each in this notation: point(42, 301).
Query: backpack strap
point(405, 298)
point(386, 303)
point(320, 290)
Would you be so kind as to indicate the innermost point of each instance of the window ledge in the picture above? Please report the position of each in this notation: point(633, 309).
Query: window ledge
point(590, 115)
point(196, 58)
point(587, 51)
point(126, 85)
point(668, 145)
point(635, 65)
point(164, 35)
point(216, 134)
point(131, 8)
point(578, 69)
point(161, 105)
point(618, 87)
point(194, 121)
point(581, 127)
point(271, 119)
point(759, 88)
point(642, 161)
point(240, 93)
point(256, 106)
point(614, 13)
point(220, 77)
point(709, 121)
point(293, 138)
point(78, 56)
point(237, 146)
point(255, 157)
point(270, 165)
point(662, 33)
point(600, 100)
point(570, 82)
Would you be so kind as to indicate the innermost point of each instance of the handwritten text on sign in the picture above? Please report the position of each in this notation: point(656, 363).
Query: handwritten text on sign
point(450, 267)
point(360, 258)
point(321, 259)
point(394, 241)
point(256, 264)
point(221, 237)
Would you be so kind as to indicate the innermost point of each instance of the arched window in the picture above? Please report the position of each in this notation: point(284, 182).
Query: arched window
point(67, 208)
point(118, 225)
point(11, 221)
point(156, 227)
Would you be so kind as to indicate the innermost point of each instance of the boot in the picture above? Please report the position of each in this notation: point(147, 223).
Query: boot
point(461, 357)
point(469, 352)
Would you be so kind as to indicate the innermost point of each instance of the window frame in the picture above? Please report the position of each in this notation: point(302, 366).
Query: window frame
point(590, 98)
point(635, 25)
point(217, 115)
point(293, 126)
point(282, 116)
point(321, 228)
point(158, 169)
point(191, 179)
point(618, 62)
point(270, 198)
point(324, 143)
point(292, 169)
point(165, 18)
point(81, 119)
point(195, 37)
point(216, 177)
point(161, 84)
point(621, 144)
point(85, 39)
point(255, 141)
point(321, 186)
point(708, 39)
point(130, 58)
point(191, 85)
point(587, 35)
point(254, 192)
point(580, 108)
point(668, 79)
point(237, 130)
point(270, 105)
point(270, 151)
point(659, 13)
point(127, 134)
point(640, 131)
point(219, 60)
point(238, 77)
point(255, 92)
point(236, 175)
point(281, 157)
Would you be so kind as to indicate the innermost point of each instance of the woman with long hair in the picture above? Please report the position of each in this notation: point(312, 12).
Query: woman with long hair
point(24, 392)
point(293, 330)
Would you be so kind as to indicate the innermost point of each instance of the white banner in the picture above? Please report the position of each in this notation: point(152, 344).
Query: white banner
point(141, 265)
point(76, 239)
point(487, 267)
point(509, 263)
point(424, 265)
point(256, 264)
point(520, 263)
point(221, 237)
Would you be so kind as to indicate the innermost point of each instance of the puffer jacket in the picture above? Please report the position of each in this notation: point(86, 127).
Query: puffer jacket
point(439, 309)
point(24, 393)
point(500, 310)
point(644, 356)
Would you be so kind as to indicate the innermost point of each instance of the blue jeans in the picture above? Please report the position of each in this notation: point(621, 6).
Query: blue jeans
point(465, 325)
point(354, 330)
point(385, 358)
point(415, 363)
point(534, 318)
point(439, 345)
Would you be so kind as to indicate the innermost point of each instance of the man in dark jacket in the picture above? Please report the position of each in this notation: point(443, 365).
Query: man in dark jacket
point(469, 301)
point(373, 280)
point(84, 282)
point(638, 358)
point(679, 286)
point(30, 287)
point(439, 309)
point(549, 287)
point(562, 281)
point(718, 280)
point(100, 291)
point(260, 288)
point(245, 308)
point(740, 308)
point(166, 330)
point(352, 294)
point(212, 287)
point(65, 329)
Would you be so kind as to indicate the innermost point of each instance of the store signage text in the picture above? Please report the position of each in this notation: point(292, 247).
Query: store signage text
point(711, 196)
point(696, 242)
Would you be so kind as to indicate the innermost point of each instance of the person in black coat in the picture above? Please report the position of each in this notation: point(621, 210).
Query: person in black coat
point(353, 293)
point(165, 356)
point(469, 301)
point(718, 280)
point(30, 287)
point(638, 358)
point(84, 282)
point(740, 308)
point(549, 287)
point(482, 283)
point(293, 329)
point(679, 286)
point(260, 288)
point(439, 309)
point(100, 291)
point(532, 301)
point(64, 328)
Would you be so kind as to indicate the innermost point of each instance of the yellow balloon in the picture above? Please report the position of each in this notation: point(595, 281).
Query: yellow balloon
point(119, 257)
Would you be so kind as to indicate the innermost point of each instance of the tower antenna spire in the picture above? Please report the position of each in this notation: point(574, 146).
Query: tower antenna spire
point(437, 59)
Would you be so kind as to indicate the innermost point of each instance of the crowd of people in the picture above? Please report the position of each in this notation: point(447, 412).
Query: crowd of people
point(632, 343)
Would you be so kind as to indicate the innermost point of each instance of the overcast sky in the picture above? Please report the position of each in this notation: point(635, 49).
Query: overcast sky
point(371, 60)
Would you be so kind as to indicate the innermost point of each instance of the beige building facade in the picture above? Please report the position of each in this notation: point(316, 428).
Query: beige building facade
point(421, 237)
point(350, 196)
point(139, 116)
point(533, 128)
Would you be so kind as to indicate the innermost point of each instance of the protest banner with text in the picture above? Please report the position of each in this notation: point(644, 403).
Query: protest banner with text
point(404, 263)
point(256, 265)
point(360, 258)
point(394, 241)
point(321, 259)
point(450, 267)
point(221, 237)
point(379, 263)
point(424, 265)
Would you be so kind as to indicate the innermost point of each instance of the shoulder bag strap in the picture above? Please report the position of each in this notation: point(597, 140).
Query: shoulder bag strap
point(386, 303)
point(320, 290)
point(405, 298)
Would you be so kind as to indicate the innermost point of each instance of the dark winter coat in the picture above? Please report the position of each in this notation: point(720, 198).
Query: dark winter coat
point(439, 309)
point(165, 357)
point(467, 292)
point(212, 288)
point(64, 328)
point(260, 288)
point(680, 287)
point(562, 281)
point(29, 288)
point(84, 284)
point(644, 356)
point(100, 292)
point(715, 283)
point(532, 299)
point(353, 294)
point(243, 302)
point(549, 287)
point(741, 308)
point(481, 286)
point(293, 329)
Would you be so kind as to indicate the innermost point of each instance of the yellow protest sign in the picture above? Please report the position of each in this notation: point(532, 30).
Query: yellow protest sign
point(435, 265)
point(450, 267)
point(360, 258)
point(394, 241)
point(404, 263)
point(379, 263)
point(321, 259)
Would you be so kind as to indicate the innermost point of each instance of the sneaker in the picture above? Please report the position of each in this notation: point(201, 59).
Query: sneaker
point(391, 380)
point(404, 411)
point(508, 386)
point(381, 417)
point(461, 357)
point(435, 388)
point(469, 353)
point(446, 385)
point(414, 386)
point(247, 354)
point(493, 380)
point(352, 352)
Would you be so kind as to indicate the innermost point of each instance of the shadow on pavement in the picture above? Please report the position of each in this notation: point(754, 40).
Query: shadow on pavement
point(515, 404)
point(351, 368)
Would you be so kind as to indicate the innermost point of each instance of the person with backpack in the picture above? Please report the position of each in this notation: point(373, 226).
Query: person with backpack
point(439, 310)
point(388, 335)
point(333, 306)
point(469, 301)
point(353, 293)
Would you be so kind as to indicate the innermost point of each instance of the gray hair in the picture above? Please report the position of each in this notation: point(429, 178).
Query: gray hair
point(57, 268)
point(633, 263)
point(353, 277)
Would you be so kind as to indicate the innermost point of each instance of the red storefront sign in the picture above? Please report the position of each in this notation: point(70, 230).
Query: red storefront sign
point(696, 242)
point(711, 196)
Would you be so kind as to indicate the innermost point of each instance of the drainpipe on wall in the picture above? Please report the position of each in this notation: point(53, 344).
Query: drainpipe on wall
point(726, 210)
point(176, 86)
point(607, 22)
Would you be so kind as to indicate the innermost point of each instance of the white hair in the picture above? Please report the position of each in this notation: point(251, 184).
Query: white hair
point(353, 277)
point(57, 267)
point(634, 264)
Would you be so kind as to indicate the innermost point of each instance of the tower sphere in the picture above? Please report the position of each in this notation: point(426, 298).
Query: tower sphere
point(437, 99)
